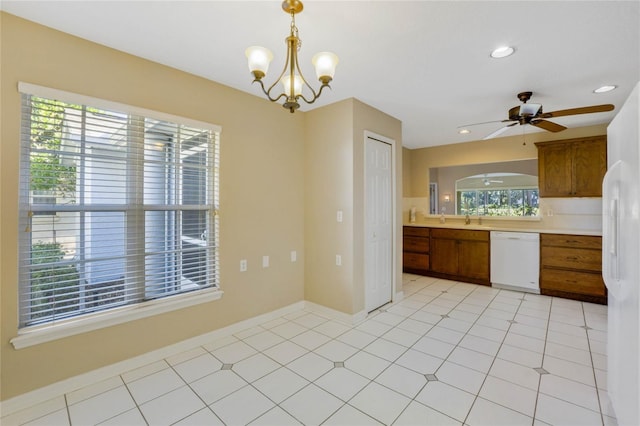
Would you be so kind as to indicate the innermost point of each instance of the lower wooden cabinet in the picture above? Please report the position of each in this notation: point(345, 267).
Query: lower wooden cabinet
point(456, 254)
point(571, 267)
point(461, 255)
point(415, 251)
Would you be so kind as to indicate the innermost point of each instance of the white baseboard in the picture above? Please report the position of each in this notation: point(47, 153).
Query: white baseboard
point(398, 297)
point(46, 393)
point(335, 315)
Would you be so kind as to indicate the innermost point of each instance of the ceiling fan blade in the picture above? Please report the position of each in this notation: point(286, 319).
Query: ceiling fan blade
point(547, 125)
point(499, 131)
point(575, 111)
point(484, 122)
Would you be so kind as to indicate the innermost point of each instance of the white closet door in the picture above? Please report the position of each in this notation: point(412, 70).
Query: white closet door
point(378, 223)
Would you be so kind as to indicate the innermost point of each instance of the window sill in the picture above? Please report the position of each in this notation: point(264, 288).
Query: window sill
point(31, 336)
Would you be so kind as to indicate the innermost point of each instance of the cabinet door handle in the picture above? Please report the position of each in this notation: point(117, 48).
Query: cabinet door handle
point(572, 258)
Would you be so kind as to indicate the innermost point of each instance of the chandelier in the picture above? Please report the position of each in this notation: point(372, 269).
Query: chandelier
point(291, 76)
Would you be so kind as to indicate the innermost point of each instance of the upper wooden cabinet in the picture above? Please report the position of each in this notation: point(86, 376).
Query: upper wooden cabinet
point(573, 167)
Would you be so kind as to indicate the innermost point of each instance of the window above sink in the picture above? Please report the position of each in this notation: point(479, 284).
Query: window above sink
point(500, 189)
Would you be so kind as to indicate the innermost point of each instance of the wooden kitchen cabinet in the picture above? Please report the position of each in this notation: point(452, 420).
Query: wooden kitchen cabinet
point(415, 250)
point(571, 267)
point(461, 255)
point(573, 167)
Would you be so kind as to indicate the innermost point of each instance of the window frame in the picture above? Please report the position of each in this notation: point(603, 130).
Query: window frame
point(51, 330)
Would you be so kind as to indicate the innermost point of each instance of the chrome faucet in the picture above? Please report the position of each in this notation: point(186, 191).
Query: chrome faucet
point(467, 220)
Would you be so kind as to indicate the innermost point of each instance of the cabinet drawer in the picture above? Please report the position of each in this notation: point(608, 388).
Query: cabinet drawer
point(572, 282)
point(573, 258)
point(416, 244)
point(460, 234)
point(415, 261)
point(578, 241)
point(415, 231)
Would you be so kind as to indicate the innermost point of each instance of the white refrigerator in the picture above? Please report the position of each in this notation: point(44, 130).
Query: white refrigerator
point(621, 260)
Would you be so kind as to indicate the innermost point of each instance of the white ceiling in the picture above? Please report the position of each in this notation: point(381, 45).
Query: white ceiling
point(424, 62)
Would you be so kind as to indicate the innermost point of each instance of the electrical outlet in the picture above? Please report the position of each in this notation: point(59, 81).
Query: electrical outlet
point(339, 216)
point(294, 255)
point(265, 261)
point(243, 265)
point(338, 260)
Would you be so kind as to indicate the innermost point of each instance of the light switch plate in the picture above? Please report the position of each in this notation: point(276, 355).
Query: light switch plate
point(265, 261)
point(338, 260)
point(243, 265)
point(339, 216)
point(294, 255)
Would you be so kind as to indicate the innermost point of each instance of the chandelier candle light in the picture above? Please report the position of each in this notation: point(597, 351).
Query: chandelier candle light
point(324, 63)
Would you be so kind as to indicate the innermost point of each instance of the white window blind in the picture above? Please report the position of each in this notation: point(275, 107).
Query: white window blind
point(116, 208)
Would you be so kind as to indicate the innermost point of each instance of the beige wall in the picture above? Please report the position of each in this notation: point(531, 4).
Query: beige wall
point(328, 161)
point(262, 196)
point(334, 164)
point(489, 151)
point(406, 172)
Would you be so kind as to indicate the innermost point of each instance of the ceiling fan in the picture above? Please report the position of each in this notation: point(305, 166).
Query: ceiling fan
point(486, 181)
point(532, 114)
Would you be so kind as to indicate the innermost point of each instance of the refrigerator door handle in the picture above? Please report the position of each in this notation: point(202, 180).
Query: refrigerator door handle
point(610, 235)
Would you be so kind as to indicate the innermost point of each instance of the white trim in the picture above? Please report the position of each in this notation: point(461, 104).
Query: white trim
point(76, 98)
point(31, 336)
point(398, 296)
point(335, 315)
point(394, 249)
point(46, 393)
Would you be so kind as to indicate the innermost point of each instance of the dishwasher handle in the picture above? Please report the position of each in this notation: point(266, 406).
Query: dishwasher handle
point(516, 236)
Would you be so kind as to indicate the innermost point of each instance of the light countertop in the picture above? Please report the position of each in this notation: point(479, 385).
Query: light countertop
point(531, 226)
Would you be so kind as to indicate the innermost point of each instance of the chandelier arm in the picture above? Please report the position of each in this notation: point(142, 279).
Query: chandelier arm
point(315, 96)
point(267, 92)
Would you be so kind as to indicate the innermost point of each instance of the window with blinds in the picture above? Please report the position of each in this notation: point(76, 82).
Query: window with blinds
point(116, 208)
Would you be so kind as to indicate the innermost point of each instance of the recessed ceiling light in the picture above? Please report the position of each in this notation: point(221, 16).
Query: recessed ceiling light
point(604, 89)
point(464, 131)
point(502, 52)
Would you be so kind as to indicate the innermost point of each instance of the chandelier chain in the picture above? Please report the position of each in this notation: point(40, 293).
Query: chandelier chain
point(294, 31)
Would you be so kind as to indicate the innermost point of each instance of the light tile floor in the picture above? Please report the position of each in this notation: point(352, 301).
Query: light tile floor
point(449, 353)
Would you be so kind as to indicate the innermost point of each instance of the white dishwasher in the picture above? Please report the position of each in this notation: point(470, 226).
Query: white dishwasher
point(515, 260)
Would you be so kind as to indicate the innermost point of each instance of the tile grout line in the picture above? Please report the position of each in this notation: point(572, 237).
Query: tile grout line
point(477, 395)
point(568, 379)
point(593, 368)
point(544, 353)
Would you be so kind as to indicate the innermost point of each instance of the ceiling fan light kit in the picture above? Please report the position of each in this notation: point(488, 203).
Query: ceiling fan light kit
point(324, 63)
